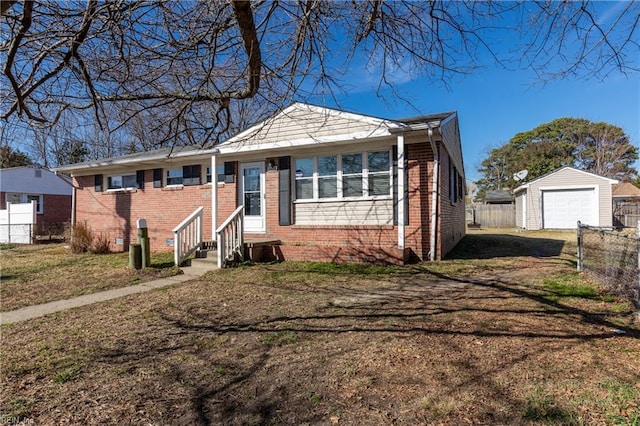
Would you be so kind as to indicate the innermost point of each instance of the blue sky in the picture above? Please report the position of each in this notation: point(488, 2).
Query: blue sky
point(494, 104)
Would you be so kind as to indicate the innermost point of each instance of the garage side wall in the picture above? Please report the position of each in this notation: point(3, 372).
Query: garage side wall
point(569, 179)
point(521, 198)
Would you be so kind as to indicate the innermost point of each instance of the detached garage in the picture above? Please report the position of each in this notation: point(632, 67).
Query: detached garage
point(562, 198)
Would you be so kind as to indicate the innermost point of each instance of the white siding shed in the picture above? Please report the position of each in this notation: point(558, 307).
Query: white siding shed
point(560, 199)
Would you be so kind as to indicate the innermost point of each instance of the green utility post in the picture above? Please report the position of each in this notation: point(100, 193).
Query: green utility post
point(143, 240)
point(135, 256)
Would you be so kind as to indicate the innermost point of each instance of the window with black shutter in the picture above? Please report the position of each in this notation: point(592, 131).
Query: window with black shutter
point(97, 183)
point(157, 178)
point(191, 175)
point(140, 179)
point(284, 190)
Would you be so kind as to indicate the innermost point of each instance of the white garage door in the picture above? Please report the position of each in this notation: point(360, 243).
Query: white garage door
point(562, 209)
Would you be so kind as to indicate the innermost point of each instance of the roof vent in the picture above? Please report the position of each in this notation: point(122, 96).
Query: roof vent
point(38, 173)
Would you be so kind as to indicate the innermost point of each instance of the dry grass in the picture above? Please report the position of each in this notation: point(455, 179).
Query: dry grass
point(43, 273)
point(479, 341)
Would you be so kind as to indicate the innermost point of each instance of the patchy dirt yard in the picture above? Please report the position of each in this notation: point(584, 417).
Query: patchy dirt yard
point(495, 336)
point(33, 274)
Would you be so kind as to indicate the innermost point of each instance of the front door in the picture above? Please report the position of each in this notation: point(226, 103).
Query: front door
point(251, 187)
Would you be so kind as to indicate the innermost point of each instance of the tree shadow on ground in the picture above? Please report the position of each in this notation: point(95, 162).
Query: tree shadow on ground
point(488, 246)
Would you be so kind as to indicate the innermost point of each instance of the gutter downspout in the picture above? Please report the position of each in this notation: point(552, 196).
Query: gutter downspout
point(401, 191)
point(434, 197)
point(73, 203)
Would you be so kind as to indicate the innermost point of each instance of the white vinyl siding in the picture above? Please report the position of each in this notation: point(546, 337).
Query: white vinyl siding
point(358, 212)
point(299, 121)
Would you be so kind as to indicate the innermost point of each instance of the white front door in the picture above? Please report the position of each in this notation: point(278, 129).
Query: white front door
point(251, 187)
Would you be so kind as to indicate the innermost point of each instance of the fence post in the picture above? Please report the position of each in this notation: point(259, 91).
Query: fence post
point(9, 222)
point(579, 262)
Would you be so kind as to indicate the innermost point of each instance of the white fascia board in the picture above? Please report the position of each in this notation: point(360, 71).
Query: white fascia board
point(521, 188)
point(306, 142)
point(449, 118)
point(109, 163)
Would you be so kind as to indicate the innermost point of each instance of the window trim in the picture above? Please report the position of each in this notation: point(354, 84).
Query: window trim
point(339, 178)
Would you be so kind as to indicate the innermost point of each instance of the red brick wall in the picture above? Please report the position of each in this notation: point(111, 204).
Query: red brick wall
point(116, 213)
point(56, 210)
point(451, 222)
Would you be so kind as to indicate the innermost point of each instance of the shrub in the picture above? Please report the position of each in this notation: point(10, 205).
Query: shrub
point(101, 245)
point(81, 238)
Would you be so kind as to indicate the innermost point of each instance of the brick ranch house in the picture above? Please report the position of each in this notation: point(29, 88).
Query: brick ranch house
point(51, 192)
point(319, 183)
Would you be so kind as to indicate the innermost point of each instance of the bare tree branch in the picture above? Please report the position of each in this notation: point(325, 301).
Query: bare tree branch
point(189, 66)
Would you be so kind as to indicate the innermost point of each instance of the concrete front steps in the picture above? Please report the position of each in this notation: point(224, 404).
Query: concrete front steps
point(205, 259)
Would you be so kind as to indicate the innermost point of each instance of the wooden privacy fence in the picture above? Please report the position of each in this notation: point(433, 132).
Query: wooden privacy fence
point(493, 215)
point(626, 214)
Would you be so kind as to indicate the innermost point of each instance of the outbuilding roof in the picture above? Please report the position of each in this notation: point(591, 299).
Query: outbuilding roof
point(625, 189)
point(33, 180)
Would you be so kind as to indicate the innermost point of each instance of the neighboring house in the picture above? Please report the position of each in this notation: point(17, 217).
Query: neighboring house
point(626, 192)
point(560, 199)
point(51, 192)
point(325, 184)
point(626, 205)
point(498, 197)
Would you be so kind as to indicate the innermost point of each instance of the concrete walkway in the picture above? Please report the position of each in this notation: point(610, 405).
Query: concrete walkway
point(36, 311)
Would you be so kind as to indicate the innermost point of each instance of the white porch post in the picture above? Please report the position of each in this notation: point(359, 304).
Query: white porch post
point(401, 191)
point(214, 197)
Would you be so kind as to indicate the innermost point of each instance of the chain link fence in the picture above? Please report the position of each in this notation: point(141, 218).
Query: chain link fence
point(611, 258)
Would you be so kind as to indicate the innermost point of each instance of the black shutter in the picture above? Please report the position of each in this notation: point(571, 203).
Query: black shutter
point(140, 179)
point(157, 178)
point(284, 190)
point(228, 172)
point(97, 183)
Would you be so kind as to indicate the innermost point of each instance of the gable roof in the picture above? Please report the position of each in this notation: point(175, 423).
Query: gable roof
point(307, 125)
point(304, 124)
point(298, 125)
point(526, 185)
point(625, 189)
point(33, 180)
